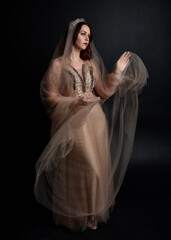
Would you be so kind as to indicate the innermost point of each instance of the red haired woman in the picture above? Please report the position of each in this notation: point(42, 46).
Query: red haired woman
point(79, 173)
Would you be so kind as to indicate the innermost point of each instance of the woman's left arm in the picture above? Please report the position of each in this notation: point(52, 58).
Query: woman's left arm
point(107, 87)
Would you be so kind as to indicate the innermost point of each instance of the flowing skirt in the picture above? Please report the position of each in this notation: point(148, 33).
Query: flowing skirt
point(82, 190)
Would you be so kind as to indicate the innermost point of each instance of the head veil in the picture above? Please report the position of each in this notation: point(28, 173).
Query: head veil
point(121, 112)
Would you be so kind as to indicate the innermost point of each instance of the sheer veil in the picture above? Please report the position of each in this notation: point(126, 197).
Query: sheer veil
point(121, 114)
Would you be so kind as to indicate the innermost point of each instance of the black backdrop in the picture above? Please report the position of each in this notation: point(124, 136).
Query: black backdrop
point(138, 26)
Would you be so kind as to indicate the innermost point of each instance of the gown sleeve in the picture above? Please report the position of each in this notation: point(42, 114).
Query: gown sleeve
point(122, 111)
point(57, 104)
point(106, 86)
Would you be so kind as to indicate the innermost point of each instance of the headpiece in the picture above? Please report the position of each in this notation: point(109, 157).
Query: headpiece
point(76, 21)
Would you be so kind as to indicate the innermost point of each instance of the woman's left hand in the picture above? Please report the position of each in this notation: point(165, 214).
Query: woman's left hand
point(123, 61)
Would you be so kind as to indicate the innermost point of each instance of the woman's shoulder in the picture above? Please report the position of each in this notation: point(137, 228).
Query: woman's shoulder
point(56, 61)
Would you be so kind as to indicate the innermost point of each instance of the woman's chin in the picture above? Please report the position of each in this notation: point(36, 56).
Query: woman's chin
point(83, 48)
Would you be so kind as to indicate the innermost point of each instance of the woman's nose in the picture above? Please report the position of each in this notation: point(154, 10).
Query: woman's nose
point(86, 37)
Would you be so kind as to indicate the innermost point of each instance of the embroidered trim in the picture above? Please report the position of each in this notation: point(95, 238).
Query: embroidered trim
point(86, 82)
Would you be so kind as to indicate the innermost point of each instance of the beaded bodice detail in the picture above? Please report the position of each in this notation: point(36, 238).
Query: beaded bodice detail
point(85, 83)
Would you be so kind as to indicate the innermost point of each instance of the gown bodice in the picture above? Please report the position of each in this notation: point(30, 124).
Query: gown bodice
point(82, 80)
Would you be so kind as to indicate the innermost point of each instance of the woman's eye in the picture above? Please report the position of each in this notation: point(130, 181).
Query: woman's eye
point(83, 34)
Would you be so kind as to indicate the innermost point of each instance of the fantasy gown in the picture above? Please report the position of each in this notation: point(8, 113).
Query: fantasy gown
point(82, 167)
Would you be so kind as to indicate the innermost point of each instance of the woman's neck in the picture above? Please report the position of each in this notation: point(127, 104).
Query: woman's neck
point(75, 55)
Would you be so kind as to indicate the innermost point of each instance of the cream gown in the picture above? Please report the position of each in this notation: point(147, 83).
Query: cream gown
point(77, 174)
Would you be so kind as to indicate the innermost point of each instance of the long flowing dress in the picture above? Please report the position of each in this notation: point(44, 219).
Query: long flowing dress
point(82, 176)
point(75, 172)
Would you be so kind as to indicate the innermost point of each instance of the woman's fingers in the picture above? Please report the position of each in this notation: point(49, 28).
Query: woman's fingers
point(123, 61)
point(125, 56)
point(89, 99)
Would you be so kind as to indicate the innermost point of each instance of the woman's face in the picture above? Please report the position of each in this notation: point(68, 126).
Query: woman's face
point(83, 37)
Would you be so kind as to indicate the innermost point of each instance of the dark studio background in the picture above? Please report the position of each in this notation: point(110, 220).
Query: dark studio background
point(142, 210)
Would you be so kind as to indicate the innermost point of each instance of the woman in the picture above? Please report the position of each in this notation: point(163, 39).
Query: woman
point(81, 169)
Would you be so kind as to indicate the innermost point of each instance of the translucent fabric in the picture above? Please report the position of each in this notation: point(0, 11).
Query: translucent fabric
point(79, 173)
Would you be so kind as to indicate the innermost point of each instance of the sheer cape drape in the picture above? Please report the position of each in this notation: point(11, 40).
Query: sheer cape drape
point(68, 115)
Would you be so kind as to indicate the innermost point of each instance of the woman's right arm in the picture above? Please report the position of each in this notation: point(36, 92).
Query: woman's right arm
point(52, 86)
point(58, 106)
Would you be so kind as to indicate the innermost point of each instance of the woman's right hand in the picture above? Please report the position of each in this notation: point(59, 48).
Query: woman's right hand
point(85, 100)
